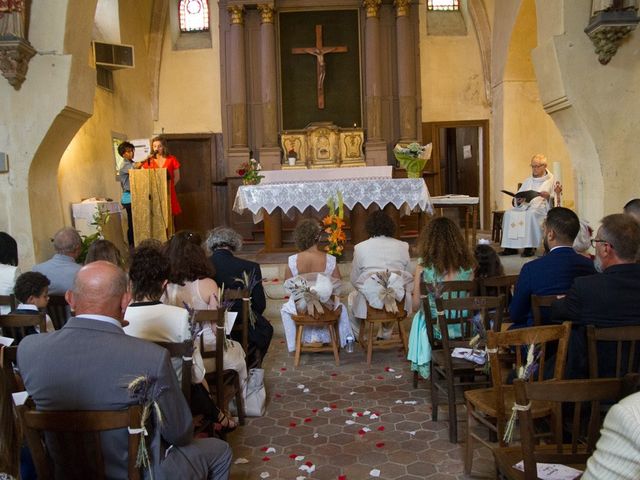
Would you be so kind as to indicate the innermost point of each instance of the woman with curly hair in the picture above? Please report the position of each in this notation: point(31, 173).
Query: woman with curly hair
point(444, 256)
point(191, 284)
point(310, 259)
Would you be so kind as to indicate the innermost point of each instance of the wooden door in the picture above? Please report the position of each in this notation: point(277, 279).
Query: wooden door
point(196, 154)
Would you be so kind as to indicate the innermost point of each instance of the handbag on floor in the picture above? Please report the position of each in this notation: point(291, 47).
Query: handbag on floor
point(254, 403)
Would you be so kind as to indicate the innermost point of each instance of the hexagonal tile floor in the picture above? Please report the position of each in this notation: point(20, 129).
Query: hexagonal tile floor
point(347, 423)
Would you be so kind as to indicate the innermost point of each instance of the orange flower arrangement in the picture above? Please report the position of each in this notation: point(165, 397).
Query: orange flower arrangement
point(334, 224)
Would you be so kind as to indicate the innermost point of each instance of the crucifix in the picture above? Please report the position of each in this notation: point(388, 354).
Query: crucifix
point(319, 51)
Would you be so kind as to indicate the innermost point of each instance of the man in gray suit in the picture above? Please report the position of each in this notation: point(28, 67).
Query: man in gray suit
point(88, 364)
point(62, 267)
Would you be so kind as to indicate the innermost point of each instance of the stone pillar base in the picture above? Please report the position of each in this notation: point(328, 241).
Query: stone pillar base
point(270, 158)
point(376, 153)
point(236, 157)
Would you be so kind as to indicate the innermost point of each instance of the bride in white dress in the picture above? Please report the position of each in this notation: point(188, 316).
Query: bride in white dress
point(311, 260)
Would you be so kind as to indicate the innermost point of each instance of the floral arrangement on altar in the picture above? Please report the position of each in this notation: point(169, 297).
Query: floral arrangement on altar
point(413, 157)
point(250, 172)
point(334, 224)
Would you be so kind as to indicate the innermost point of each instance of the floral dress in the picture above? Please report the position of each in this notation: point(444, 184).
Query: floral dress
point(419, 348)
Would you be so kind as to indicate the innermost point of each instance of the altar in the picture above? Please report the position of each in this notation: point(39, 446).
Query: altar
point(287, 191)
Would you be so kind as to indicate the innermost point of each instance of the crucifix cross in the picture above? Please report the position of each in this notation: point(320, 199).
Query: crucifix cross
point(319, 51)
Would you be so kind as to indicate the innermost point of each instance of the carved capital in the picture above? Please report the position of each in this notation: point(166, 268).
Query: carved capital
point(236, 13)
point(372, 7)
point(266, 12)
point(402, 7)
point(14, 60)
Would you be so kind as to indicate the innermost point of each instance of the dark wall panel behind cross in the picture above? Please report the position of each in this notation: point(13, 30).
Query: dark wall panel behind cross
point(299, 81)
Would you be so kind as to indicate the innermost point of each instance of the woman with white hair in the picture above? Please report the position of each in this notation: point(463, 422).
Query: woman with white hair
point(224, 242)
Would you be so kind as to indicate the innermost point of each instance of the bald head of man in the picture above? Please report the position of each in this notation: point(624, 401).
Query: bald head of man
point(100, 288)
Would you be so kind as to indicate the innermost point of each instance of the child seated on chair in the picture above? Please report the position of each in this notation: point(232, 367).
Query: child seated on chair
point(32, 293)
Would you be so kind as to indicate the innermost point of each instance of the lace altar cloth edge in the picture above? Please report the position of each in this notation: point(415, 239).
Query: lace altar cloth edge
point(406, 194)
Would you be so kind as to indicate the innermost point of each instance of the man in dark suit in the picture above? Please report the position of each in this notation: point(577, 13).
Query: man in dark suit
point(554, 272)
point(223, 242)
point(88, 364)
point(608, 299)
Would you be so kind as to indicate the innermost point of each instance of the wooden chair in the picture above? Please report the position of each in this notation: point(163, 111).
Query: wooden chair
point(8, 301)
point(241, 325)
point(496, 286)
point(619, 343)
point(496, 226)
point(491, 407)
point(370, 325)
point(82, 448)
point(580, 393)
point(17, 325)
point(184, 352)
point(225, 384)
point(452, 376)
point(537, 303)
point(9, 361)
point(327, 319)
point(58, 309)
point(452, 289)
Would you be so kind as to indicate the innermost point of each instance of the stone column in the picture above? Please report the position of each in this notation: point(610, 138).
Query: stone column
point(269, 151)
point(406, 71)
point(237, 92)
point(376, 147)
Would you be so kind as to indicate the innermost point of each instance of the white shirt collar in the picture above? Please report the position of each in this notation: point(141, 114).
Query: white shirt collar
point(559, 246)
point(101, 318)
point(27, 306)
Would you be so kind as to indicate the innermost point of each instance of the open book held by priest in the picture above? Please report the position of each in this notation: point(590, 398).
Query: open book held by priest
point(527, 195)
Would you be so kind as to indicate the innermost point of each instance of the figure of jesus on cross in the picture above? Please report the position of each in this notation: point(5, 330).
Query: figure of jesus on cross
point(319, 51)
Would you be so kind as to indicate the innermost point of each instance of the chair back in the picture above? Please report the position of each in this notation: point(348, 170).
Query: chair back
point(17, 325)
point(59, 311)
point(184, 352)
point(380, 314)
point(496, 286)
point(511, 348)
point(328, 315)
point(457, 314)
point(241, 324)
point(450, 290)
point(585, 396)
point(80, 432)
point(8, 301)
point(538, 302)
point(9, 361)
point(607, 344)
point(215, 318)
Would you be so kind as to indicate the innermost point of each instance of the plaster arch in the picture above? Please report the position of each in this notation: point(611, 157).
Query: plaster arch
point(74, 93)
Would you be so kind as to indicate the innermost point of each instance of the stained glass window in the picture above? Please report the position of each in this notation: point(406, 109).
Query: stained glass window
point(194, 15)
point(443, 5)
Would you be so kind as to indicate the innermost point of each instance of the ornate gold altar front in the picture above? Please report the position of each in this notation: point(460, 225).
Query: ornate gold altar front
point(323, 145)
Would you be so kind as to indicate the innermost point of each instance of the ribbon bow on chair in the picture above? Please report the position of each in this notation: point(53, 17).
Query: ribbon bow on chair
point(309, 295)
point(384, 290)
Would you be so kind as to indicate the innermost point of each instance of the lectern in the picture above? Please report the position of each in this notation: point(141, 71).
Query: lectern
point(150, 205)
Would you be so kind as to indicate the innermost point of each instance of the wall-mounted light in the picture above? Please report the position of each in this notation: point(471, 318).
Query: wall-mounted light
point(611, 21)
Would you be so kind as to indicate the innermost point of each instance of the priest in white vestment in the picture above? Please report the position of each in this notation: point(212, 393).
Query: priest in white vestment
point(522, 225)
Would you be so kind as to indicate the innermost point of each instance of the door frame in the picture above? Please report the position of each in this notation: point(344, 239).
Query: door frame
point(432, 130)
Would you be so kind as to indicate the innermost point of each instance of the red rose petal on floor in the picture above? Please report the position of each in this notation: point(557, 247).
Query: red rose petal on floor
point(283, 369)
point(315, 410)
point(377, 413)
point(292, 424)
point(307, 420)
point(361, 432)
point(333, 405)
point(386, 369)
point(360, 414)
point(278, 395)
point(265, 459)
point(264, 449)
point(349, 409)
point(380, 377)
point(380, 444)
point(308, 463)
point(381, 428)
point(342, 477)
point(334, 374)
point(293, 455)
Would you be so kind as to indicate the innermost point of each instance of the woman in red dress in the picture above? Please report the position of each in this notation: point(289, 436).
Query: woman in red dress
point(161, 158)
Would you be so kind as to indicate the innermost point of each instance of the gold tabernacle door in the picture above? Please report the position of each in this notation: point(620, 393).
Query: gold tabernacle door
point(323, 145)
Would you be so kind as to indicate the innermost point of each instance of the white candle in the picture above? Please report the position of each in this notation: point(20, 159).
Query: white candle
point(557, 172)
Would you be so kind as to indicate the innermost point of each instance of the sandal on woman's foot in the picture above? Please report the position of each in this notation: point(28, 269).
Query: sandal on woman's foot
point(224, 423)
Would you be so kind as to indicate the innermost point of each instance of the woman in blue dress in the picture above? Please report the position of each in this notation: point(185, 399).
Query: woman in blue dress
point(444, 256)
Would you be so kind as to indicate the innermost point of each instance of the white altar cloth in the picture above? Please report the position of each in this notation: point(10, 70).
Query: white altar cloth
point(406, 194)
point(325, 174)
